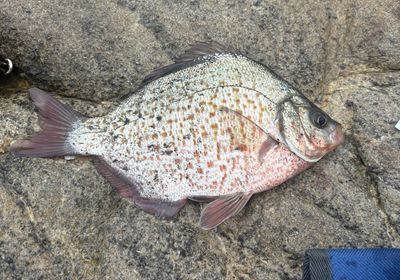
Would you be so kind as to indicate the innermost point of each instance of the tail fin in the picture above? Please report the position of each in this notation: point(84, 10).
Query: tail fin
point(56, 121)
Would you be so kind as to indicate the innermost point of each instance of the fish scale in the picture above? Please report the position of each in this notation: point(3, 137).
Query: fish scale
point(215, 126)
point(208, 142)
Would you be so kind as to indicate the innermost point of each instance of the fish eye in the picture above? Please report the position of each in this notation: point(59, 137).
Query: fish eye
point(319, 119)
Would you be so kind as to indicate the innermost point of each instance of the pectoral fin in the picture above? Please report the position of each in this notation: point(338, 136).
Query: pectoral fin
point(245, 134)
point(266, 146)
point(222, 209)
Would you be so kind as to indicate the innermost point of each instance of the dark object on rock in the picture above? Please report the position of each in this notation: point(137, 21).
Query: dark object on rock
point(6, 66)
point(378, 264)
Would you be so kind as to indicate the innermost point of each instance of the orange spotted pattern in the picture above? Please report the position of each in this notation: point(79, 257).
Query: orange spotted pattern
point(186, 134)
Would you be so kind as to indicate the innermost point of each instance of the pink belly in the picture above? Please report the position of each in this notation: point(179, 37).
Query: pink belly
point(278, 165)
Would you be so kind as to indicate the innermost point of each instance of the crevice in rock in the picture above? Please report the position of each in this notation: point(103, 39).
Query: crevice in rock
point(37, 234)
point(373, 188)
point(157, 28)
point(12, 91)
point(374, 192)
point(331, 212)
point(328, 49)
point(99, 102)
point(334, 214)
point(367, 72)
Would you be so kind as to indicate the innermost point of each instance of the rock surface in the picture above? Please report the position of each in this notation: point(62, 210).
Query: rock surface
point(60, 219)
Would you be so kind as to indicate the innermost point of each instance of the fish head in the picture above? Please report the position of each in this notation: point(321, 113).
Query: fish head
point(306, 130)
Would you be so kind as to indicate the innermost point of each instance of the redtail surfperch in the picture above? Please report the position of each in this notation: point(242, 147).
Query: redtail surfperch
point(214, 127)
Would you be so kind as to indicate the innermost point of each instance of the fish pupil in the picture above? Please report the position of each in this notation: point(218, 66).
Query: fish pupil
point(319, 119)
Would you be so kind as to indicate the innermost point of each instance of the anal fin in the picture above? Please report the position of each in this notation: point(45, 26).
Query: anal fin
point(160, 208)
point(129, 189)
point(221, 209)
point(124, 187)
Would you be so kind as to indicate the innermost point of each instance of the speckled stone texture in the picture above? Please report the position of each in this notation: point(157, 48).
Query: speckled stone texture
point(60, 220)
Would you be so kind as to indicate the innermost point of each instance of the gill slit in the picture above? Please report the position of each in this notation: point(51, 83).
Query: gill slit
point(279, 116)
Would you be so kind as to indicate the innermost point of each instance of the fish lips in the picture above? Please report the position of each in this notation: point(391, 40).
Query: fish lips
point(336, 138)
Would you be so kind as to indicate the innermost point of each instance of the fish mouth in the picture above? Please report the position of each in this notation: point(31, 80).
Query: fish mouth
point(336, 138)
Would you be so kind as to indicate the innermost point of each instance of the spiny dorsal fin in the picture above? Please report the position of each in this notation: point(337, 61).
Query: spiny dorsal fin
point(201, 49)
point(194, 55)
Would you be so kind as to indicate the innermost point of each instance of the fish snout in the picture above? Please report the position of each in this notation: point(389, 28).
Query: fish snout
point(337, 136)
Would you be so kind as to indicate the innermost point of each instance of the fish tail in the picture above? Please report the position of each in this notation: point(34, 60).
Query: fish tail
point(56, 121)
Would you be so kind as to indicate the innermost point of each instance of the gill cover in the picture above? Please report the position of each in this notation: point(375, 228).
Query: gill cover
point(305, 129)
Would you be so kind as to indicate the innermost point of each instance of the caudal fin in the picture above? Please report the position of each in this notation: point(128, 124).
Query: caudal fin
point(56, 121)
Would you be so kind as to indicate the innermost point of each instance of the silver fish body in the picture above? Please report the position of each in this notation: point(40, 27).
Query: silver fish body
point(216, 126)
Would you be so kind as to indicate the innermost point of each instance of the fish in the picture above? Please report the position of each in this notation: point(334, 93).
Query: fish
point(214, 127)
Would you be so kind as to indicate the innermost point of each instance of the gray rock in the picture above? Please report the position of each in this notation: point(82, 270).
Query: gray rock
point(91, 49)
point(373, 100)
point(60, 219)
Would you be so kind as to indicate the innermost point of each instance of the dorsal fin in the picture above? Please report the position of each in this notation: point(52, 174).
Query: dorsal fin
point(194, 55)
point(201, 49)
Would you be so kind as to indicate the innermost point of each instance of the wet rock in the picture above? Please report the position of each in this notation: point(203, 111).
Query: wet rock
point(60, 219)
